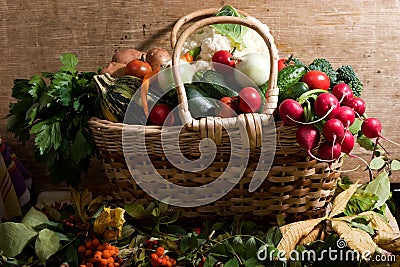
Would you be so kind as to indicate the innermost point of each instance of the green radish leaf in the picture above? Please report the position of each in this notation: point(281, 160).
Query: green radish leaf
point(395, 165)
point(14, 237)
point(380, 187)
point(34, 218)
point(47, 244)
point(273, 236)
point(356, 126)
point(237, 244)
point(365, 142)
point(377, 163)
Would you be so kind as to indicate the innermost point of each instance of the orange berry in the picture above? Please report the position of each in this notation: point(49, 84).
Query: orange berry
point(89, 264)
point(116, 264)
point(107, 246)
point(103, 262)
point(110, 260)
point(82, 265)
point(88, 244)
point(163, 262)
point(166, 257)
point(160, 251)
point(154, 257)
point(81, 249)
point(168, 264)
point(88, 253)
point(98, 256)
point(173, 261)
point(100, 248)
point(106, 254)
point(95, 243)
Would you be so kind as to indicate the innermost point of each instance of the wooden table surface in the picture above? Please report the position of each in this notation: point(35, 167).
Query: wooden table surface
point(364, 34)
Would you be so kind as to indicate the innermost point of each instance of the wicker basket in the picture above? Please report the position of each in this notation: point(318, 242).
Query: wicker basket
point(291, 184)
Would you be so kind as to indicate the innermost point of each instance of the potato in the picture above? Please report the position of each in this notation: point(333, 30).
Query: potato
point(115, 69)
point(127, 55)
point(156, 57)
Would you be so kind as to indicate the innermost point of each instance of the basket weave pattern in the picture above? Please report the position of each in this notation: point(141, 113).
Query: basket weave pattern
point(295, 187)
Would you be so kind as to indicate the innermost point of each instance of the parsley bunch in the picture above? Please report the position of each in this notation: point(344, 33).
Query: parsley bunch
point(55, 108)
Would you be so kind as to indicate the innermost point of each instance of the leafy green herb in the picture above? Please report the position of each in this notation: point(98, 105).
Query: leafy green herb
point(55, 108)
point(359, 202)
point(235, 31)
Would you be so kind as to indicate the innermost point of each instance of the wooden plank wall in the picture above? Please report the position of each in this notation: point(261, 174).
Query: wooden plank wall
point(364, 34)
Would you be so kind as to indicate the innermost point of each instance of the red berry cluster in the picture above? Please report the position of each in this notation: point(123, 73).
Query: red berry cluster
point(75, 222)
point(159, 258)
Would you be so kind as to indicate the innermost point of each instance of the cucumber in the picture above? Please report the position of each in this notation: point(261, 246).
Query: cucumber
point(290, 75)
point(213, 85)
point(294, 91)
point(200, 105)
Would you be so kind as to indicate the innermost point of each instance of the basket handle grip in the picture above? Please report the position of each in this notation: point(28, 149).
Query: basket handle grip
point(191, 16)
point(272, 92)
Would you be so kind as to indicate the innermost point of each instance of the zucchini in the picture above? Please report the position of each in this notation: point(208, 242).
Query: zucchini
point(213, 85)
point(290, 75)
point(294, 91)
point(200, 105)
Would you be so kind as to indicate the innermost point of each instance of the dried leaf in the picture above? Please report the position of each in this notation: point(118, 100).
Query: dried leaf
point(384, 232)
point(392, 246)
point(80, 200)
point(94, 205)
point(109, 218)
point(339, 205)
point(312, 236)
point(356, 239)
point(292, 233)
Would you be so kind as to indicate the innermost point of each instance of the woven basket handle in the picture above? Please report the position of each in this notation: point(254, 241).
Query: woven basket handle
point(191, 16)
point(213, 128)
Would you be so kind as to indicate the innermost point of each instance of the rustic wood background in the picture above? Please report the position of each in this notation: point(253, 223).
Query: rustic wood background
point(364, 34)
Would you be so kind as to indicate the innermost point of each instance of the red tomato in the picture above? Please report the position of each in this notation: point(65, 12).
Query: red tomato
point(316, 79)
point(228, 107)
point(249, 100)
point(223, 57)
point(159, 115)
point(137, 68)
point(281, 63)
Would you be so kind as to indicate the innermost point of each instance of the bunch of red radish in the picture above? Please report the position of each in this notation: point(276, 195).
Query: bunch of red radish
point(338, 109)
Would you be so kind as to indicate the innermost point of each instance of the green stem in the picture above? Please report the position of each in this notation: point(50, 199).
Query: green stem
point(305, 96)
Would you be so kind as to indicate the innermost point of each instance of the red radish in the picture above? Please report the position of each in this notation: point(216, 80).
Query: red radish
point(346, 115)
point(290, 111)
point(347, 145)
point(343, 92)
point(328, 151)
point(333, 130)
point(357, 104)
point(308, 137)
point(347, 142)
point(326, 106)
point(372, 128)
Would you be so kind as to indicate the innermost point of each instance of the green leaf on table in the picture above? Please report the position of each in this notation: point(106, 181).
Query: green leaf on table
point(377, 163)
point(380, 187)
point(34, 218)
point(252, 262)
point(46, 245)
point(251, 248)
point(273, 236)
point(360, 202)
point(233, 262)
point(395, 165)
point(14, 237)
